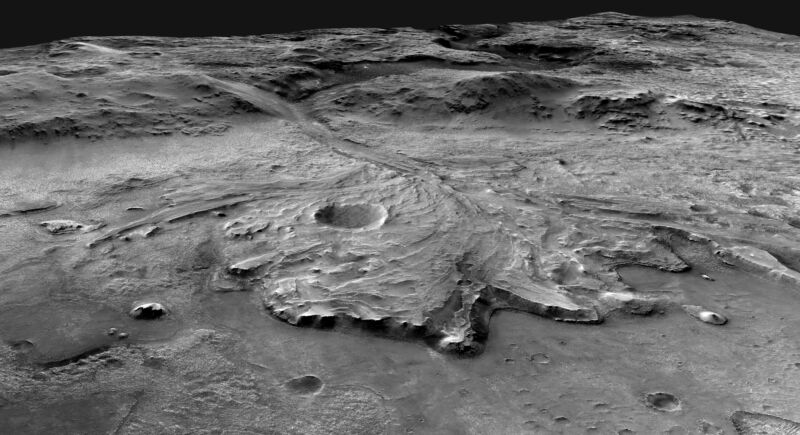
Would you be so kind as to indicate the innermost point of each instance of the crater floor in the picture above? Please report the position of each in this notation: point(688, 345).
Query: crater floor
point(582, 226)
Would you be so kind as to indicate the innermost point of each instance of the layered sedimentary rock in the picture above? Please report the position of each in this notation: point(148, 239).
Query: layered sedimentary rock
point(425, 246)
point(410, 183)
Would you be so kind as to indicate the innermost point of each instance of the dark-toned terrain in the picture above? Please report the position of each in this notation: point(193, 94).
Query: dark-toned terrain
point(583, 226)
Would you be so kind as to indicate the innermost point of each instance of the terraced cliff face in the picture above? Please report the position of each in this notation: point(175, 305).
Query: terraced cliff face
point(405, 182)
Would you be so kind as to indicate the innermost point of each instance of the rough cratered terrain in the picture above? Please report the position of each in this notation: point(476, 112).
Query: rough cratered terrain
point(584, 226)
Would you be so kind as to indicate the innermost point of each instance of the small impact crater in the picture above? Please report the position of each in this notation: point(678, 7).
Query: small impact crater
point(148, 311)
point(351, 216)
point(663, 402)
point(308, 384)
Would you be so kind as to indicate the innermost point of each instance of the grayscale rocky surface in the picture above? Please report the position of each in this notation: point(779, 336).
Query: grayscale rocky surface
point(582, 226)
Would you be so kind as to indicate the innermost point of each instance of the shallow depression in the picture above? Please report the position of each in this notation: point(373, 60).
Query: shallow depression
point(308, 384)
point(59, 332)
point(351, 215)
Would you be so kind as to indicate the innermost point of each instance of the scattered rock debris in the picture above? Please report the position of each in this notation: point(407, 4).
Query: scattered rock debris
point(704, 315)
point(65, 226)
point(753, 423)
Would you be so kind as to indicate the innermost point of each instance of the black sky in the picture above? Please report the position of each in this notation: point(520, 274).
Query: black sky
point(31, 22)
